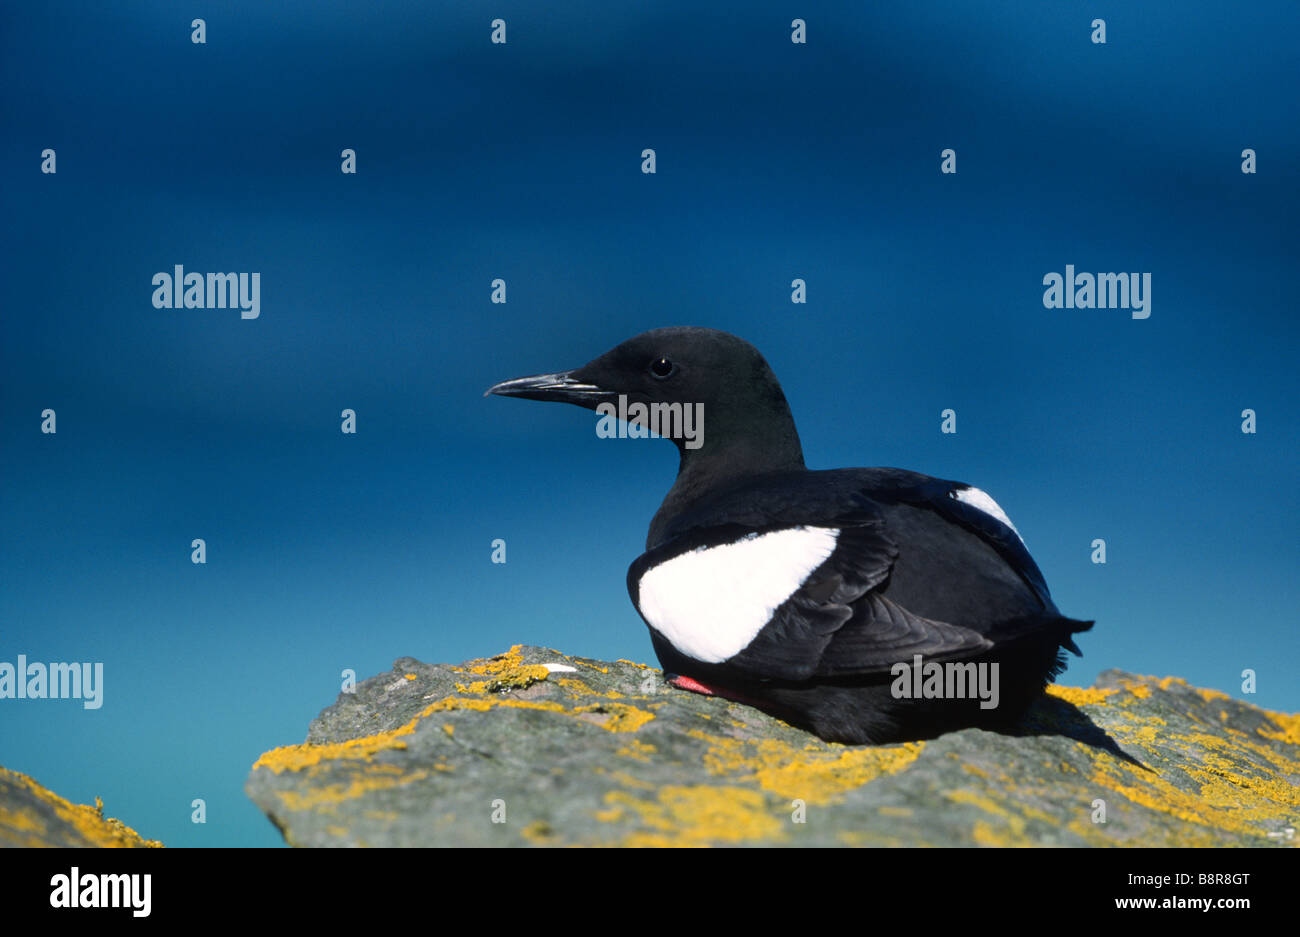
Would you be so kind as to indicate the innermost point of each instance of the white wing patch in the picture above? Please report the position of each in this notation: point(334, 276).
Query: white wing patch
point(979, 499)
point(712, 602)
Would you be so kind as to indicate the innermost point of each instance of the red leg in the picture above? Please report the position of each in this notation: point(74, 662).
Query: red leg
point(686, 683)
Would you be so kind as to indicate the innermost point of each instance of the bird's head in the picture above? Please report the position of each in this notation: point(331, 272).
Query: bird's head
point(672, 365)
point(722, 378)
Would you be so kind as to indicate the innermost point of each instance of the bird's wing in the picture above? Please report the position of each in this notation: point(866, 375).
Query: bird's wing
point(820, 627)
point(835, 624)
point(954, 502)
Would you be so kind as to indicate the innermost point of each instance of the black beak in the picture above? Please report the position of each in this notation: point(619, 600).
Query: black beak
point(563, 387)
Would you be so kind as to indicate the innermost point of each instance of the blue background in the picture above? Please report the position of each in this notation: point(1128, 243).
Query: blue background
point(522, 161)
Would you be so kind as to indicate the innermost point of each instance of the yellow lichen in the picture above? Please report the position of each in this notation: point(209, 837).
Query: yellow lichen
point(16, 820)
point(859, 838)
point(698, 815)
point(24, 828)
point(616, 717)
point(539, 832)
point(1233, 796)
point(483, 705)
point(505, 672)
point(651, 841)
point(328, 796)
point(627, 780)
point(1013, 817)
point(1080, 696)
point(307, 754)
point(887, 811)
point(1139, 690)
point(504, 669)
point(637, 749)
point(1145, 735)
point(1288, 727)
point(985, 835)
point(578, 688)
point(795, 773)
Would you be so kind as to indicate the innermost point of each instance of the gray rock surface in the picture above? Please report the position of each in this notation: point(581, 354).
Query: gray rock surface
point(534, 747)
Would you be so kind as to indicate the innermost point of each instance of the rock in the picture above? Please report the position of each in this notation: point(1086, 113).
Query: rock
point(30, 815)
point(569, 751)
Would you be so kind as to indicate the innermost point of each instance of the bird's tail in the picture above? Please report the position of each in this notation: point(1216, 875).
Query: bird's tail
point(1070, 627)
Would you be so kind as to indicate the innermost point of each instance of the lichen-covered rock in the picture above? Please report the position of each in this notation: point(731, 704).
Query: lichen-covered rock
point(30, 815)
point(536, 747)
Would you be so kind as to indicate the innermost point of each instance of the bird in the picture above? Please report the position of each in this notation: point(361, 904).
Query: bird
point(828, 598)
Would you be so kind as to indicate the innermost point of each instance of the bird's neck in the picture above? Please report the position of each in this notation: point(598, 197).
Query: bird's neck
point(722, 461)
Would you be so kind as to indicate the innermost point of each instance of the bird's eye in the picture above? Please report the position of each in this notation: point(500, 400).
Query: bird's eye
point(662, 367)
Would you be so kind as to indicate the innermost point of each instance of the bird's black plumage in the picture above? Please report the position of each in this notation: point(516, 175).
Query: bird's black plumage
point(854, 571)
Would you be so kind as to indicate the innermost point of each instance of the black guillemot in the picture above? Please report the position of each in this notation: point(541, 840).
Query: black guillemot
point(865, 605)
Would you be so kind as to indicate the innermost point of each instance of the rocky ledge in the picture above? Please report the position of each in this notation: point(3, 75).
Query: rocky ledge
point(534, 747)
point(31, 815)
